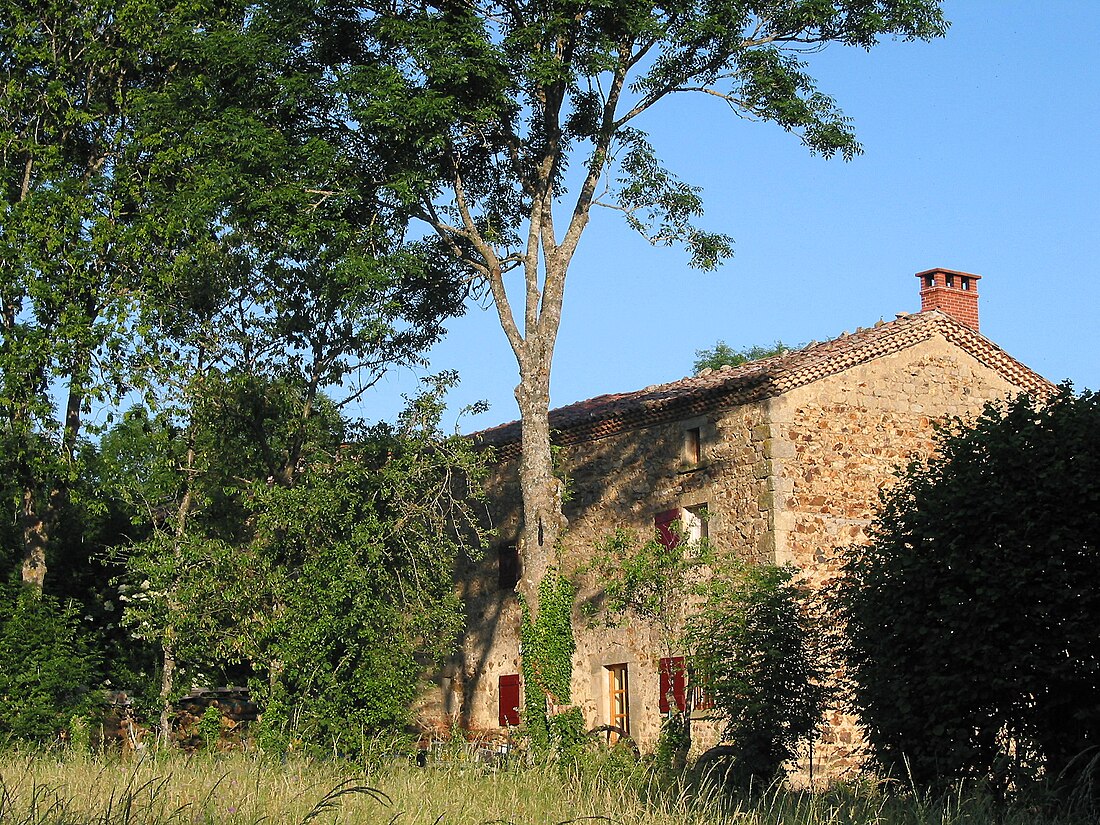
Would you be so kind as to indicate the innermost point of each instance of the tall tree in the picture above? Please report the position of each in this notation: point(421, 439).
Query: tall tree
point(290, 288)
point(67, 71)
point(179, 184)
point(524, 114)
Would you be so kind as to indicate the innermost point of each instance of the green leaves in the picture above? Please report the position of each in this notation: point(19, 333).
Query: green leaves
point(971, 631)
point(49, 670)
point(650, 579)
point(333, 590)
point(721, 355)
point(660, 207)
point(753, 647)
point(548, 646)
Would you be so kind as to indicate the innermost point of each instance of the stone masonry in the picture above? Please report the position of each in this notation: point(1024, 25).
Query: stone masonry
point(788, 455)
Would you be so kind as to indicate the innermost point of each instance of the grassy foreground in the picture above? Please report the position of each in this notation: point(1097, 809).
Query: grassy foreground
point(39, 789)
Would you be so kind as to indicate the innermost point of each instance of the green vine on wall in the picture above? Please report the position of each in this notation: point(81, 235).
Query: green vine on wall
point(547, 647)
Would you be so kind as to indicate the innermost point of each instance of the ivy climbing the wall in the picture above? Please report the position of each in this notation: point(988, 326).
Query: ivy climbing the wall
point(548, 646)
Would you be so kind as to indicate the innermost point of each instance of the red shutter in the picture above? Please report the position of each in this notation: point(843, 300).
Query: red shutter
point(673, 681)
point(509, 699)
point(663, 522)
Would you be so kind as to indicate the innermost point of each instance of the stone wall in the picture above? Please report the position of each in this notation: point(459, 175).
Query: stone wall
point(836, 444)
point(788, 479)
point(621, 481)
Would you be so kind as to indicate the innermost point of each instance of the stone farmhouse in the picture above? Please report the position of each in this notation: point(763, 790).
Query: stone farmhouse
point(787, 455)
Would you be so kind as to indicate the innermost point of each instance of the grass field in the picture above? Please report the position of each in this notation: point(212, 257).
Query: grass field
point(172, 789)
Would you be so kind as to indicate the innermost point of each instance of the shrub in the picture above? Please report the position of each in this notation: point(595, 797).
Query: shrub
point(753, 653)
point(48, 667)
point(972, 614)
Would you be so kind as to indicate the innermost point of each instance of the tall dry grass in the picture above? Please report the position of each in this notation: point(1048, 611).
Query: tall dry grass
point(172, 789)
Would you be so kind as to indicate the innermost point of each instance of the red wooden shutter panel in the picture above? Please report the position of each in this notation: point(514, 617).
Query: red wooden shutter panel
point(673, 679)
point(663, 522)
point(508, 687)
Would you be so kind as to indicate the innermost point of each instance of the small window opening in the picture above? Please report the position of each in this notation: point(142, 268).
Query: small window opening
point(693, 446)
point(966, 284)
point(618, 694)
point(699, 695)
point(508, 567)
point(951, 281)
point(694, 522)
point(929, 281)
point(681, 524)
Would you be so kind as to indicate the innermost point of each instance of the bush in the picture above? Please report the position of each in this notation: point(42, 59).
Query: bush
point(754, 656)
point(48, 668)
point(972, 615)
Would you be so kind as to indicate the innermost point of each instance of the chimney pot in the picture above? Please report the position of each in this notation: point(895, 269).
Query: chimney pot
point(952, 292)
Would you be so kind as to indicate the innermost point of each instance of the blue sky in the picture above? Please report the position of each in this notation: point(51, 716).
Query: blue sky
point(980, 154)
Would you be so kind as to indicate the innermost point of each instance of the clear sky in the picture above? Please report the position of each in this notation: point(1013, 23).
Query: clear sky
point(980, 154)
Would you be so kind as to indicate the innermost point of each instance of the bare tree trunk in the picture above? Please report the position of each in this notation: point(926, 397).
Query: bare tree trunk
point(36, 518)
point(167, 685)
point(543, 520)
point(168, 645)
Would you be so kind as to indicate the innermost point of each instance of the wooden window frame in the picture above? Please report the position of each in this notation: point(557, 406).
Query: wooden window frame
point(618, 698)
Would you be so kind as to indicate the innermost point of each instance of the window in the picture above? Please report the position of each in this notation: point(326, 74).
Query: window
point(929, 281)
point(508, 567)
point(508, 693)
point(699, 697)
point(693, 446)
point(688, 524)
point(678, 690)
point(618, 695)
point(951, 281)
point(966, 284)
point(673, 683)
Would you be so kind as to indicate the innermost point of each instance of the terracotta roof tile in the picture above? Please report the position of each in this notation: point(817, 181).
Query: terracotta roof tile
point(605, 415)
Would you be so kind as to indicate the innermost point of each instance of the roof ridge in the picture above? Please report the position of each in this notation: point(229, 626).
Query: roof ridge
point(609, 413)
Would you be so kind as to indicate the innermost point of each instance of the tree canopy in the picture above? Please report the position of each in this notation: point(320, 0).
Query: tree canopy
point(520, 118)
point(971, 614)
point(190, 220)
point(723, 355)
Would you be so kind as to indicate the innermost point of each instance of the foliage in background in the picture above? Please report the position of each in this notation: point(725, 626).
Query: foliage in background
point(753, 648)
point(972, 613)
point(548, 646)
point(72, 262)
point(362, 554)
point(49, 666)
point(331, 595)
point(723, 355)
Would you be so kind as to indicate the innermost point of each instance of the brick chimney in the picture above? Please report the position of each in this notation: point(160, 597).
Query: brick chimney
point(955, 293)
